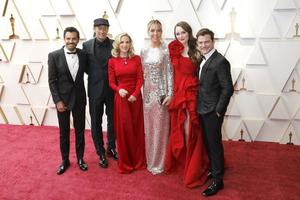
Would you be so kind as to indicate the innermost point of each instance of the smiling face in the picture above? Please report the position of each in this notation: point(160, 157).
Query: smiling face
point(155, 33)
point(181, 35)
point(124, 45)
point(71, 40)
point(205, 43)
point(101, 32)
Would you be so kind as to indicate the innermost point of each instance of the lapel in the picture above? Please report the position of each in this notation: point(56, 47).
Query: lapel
point(65, 63)
point(79, 54)
point(92, 47)
point(207, 65)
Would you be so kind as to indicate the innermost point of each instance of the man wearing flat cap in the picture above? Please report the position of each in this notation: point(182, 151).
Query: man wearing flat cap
point(99, 93)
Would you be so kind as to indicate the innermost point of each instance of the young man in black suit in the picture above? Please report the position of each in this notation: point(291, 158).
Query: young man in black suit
point(215, 91)
point(99, 92)
point(66, 68)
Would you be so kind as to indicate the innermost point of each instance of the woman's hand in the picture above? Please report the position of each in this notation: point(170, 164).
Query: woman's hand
point(167, 101)
point(123, 93)
point(131, 99)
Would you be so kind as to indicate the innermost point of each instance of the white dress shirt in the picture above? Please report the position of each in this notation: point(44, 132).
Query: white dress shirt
point(206, 57)
point(73, 62)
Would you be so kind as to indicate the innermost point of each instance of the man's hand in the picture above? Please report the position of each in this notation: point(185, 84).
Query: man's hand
point(61, 106)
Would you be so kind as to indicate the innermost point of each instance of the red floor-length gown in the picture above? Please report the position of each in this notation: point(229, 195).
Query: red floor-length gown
point(128, 116)
point(192, 158)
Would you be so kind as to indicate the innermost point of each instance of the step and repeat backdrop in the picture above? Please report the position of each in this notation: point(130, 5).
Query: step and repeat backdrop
point(261, 39)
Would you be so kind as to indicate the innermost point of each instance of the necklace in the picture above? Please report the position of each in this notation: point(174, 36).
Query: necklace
point(125, 60)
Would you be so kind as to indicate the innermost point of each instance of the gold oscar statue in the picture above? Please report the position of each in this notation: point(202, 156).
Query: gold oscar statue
point(12, 24)
point(27, 77)
point(290, 139)
point(57, 34)
point(293, 86)
point(31, 123)
point(105, 16)
point(232, 15)
point(296, 30)
point(242, 134)
point(243, 84)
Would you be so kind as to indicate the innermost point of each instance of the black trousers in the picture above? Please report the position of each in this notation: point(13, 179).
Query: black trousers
point(212, 136)
point(78, 114)
point(96, 113)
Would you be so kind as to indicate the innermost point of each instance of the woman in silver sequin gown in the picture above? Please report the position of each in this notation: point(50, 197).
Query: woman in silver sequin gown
point(157, 93)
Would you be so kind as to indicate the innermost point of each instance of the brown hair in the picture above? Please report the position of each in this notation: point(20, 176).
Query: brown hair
point(193, 53)
point(206, 31)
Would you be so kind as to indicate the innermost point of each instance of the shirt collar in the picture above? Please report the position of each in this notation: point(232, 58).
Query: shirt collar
point(207, 56)
point(67, 50)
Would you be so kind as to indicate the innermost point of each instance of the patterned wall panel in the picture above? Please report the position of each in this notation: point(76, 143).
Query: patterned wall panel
point(261, 39)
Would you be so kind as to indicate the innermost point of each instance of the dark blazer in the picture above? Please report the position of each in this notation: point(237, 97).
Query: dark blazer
point(97, 69)
point(215, 88)
point(61, 84)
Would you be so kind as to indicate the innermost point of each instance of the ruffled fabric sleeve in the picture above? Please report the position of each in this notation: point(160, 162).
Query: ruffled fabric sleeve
point(175, 49)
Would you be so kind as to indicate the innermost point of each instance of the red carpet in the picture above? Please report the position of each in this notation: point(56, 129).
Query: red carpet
point(30, 156)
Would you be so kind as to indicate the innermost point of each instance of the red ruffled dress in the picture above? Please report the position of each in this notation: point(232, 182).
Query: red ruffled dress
point(192, 158)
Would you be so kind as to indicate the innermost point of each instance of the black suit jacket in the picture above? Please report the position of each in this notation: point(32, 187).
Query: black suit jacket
point(61, 84)
point(215, 88)
point(98, 69)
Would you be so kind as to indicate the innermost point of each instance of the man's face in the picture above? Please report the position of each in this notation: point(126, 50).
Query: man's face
point(205, 44)
point(71, 40)
point(101, 32)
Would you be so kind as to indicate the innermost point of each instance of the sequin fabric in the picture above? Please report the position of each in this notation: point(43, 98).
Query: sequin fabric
point(158, 82)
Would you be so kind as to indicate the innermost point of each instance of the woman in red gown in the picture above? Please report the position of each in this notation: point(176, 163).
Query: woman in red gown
point(185, 149)
point(126, 79)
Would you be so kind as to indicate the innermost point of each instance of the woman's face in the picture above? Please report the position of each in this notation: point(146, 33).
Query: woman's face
point(155, 33)
point(124, 44)
point(181, 35)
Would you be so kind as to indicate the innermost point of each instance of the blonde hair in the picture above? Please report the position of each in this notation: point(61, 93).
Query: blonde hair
point(152, 22)
point(116, 45)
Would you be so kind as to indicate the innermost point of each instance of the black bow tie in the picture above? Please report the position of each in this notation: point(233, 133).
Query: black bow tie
point(72, 52)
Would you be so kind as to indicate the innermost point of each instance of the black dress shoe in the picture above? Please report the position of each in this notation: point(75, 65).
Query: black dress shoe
point(112, 153)
point(213, 188)
point(209, 175)
point(82, 165)
point(103, 162)
point(63, 167)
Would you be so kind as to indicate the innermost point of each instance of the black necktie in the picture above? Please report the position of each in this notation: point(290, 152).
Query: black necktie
point(72, 52)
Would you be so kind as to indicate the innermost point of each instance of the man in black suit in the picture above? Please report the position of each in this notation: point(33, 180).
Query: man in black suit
point(99, 92)
point(215, 90)
point(66, 68)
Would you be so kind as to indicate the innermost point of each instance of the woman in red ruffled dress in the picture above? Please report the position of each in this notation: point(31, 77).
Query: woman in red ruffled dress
point(126, 79)
point(185, 149)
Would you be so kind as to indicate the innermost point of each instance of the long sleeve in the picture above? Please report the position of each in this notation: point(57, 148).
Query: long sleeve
point(53, 78)
point(225, 80)
point(169, 75)
point(139, 77)
point(112, 76)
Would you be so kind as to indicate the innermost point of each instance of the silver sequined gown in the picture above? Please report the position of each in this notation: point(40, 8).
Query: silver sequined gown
point(158, 81)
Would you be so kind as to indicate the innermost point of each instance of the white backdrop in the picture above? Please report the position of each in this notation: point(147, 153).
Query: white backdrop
point(256, 36)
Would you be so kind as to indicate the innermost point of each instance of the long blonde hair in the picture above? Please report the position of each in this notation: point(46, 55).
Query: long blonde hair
point(116, 45)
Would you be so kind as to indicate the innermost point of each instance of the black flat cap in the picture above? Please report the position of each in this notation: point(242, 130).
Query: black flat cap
point(101, 21)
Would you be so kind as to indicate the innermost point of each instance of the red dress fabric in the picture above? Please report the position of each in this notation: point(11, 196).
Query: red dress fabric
point(128, 116)
point(192, 158)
